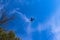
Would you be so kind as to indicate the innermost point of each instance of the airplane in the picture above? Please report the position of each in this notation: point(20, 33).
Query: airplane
point(31, 19)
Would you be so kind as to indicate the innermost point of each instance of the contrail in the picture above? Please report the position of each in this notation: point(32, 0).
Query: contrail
point(28, 29)
point(21, 15)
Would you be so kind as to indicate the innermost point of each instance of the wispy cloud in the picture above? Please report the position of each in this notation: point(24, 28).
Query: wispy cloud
point(54, 22)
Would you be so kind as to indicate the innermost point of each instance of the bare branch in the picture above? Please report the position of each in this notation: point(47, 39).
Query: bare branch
point(4, 18)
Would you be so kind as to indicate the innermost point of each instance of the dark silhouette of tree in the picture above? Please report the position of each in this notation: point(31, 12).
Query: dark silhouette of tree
point(10, 35)
point(4, 35)
point(17, 38)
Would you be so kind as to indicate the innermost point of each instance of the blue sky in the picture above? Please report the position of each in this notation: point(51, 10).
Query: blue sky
point(43, 12)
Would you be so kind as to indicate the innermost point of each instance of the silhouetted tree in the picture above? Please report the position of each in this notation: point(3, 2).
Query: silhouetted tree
point(17, 38)
point(10, 35)
point(4, 35)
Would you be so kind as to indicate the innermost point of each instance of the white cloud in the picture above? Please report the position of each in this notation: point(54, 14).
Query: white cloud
point(55, 24)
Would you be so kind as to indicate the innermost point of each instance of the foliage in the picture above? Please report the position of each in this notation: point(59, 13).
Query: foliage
point(10, 35)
